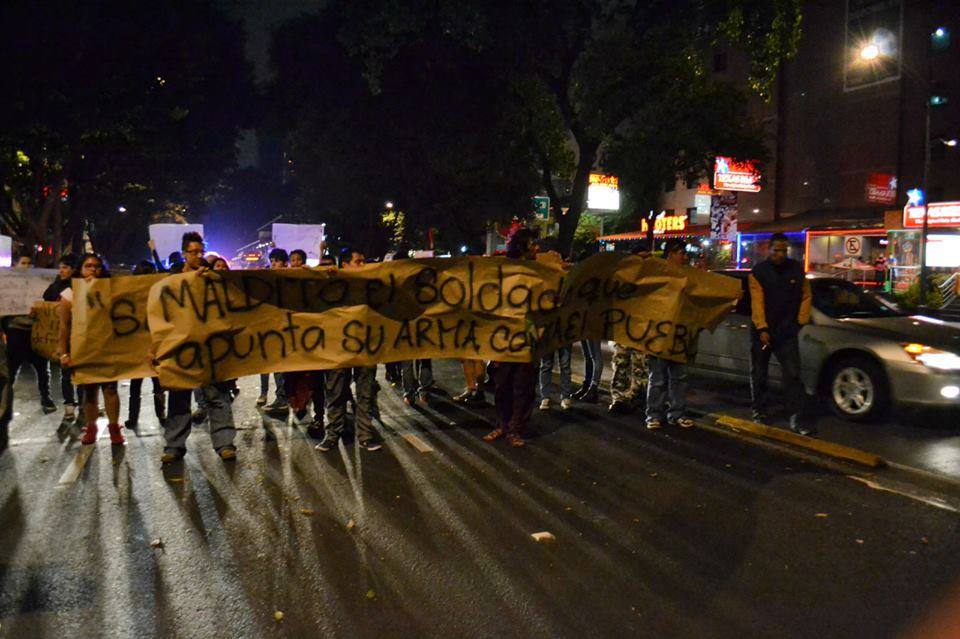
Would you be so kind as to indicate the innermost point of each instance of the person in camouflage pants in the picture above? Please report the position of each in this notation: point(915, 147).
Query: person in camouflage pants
point(629, 379)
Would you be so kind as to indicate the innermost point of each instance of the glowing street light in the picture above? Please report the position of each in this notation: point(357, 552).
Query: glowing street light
point(388, 204)
point(870, 52)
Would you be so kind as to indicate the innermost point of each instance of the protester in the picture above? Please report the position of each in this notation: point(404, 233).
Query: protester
point(305, 388)
point(92, 267)
point(136, 385)
point(19, 351)
point(473, 373)
point(66, 267)
point(589, 391)
point(221, 264)
point(280, 406)
point(547, 248)
point(515, 381)
point(668, 379)
point(780, 306)
point(416, 376)
point(629, 382)
point(177, 427)
point(338, 390)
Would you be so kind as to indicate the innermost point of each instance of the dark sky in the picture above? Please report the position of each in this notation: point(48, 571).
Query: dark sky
point(259, 18)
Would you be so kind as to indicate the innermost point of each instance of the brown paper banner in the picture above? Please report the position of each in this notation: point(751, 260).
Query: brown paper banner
point(45, 333)
point(109, 339)
point(216, 326)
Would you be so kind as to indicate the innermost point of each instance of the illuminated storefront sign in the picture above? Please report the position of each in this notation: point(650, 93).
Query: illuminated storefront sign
point(603, 192)
point(735, 175)
point(881, 188)
point(664, 223)
point(939, 214)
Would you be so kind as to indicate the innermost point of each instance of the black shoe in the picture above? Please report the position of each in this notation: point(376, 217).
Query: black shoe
point(47, 405)
point(281, 410)
point(577, 394)
point(591, 396)
point(329, 443)
point(278, 404)
point(315, 430)
point(171, 455)
point(760, 417)
point(620, 408)
point(370, 445)
point(801, 428)
point(199, 416)
point(477, 397)
point(131, 424)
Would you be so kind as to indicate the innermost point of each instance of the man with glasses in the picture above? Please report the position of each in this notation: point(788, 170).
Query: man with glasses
point(780, 306)
point(176, 428)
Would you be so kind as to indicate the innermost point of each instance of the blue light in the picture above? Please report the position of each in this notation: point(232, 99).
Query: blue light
point(915, 197)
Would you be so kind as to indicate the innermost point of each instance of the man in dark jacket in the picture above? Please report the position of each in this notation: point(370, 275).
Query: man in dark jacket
point(780, 307)
point(67, 265)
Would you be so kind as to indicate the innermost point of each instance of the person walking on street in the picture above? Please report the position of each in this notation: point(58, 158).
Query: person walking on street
point(780, 306)
point(338, 390)
point(136, 385)
point(91, 267)
point(629, 383)
point(19, 350)
point(66, 267)
point(177, 427)
point(668, 379)
point(279, 407)
point(516, 382)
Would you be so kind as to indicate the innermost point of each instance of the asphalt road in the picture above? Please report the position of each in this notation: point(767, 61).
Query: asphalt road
point(657, 534)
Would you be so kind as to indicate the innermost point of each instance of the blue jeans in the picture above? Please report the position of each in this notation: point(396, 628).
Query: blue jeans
point(668, 385)
point(593, 363)
point(548, 389)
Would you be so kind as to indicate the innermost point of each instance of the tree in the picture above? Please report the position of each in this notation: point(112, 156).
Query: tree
point(580, 71)
point(115, 113)
point(430, 137)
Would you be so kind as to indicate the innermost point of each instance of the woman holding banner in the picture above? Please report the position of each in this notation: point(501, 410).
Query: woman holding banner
point(91, 267)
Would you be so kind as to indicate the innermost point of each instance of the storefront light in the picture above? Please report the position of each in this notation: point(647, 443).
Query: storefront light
point(950, 392)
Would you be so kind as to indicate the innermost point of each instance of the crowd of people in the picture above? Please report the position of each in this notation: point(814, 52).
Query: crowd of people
point(655, 386)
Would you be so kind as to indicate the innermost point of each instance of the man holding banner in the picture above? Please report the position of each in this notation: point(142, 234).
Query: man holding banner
point(177, 427)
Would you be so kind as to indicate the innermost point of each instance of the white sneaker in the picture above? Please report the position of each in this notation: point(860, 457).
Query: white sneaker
point(545, 404)
point(566, 403)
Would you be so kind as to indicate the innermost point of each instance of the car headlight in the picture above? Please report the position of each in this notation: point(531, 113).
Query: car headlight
point(933, 357)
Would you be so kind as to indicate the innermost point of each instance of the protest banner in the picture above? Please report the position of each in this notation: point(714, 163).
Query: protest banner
point(306, 237)
point(214, 326)
point(109, 339)
point(168, 237)
point(21, 288)
point(45, 334)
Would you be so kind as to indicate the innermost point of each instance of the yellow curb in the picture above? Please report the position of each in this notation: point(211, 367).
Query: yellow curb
point(818, 445)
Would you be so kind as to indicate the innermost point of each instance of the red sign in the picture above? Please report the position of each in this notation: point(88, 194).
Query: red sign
point(881, 188)
point(735, 175)
point(939, 214)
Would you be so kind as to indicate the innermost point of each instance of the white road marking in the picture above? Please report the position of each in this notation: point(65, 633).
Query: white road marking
point(76, 467)
point(417, 443)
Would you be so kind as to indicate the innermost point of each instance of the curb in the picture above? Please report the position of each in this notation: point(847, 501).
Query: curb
point(829, 449)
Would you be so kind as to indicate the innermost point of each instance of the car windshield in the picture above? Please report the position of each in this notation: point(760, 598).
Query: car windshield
point(840, 299)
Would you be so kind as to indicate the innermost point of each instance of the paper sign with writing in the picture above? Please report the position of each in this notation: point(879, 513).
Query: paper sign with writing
point(20, 289)
point(45, 334)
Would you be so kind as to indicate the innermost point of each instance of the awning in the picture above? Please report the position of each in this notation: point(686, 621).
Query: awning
point(823, 220)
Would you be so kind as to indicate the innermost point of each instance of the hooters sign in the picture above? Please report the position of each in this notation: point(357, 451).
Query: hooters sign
point(730, 174)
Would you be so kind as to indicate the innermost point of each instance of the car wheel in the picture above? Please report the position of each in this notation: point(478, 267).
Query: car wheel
point(856, 389)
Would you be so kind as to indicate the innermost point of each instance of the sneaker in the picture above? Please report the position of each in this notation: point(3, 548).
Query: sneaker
point(278, 404)
point(759, 416)
point(315, 430)
point(277, 410)
point(131, 424)
point(424, 399)
point(329, 443)
point(261, 400)
point(228, 453)
point(199, 416)
point(545, 404)
point(478, 397)
point(47, 405)
point(683, 422)
point(463, 397)
point(654, 424)
point(370, 445)
point(800, 427)
point(591, 396)
point(566, 403)
point(171, 455)
point(409, 401)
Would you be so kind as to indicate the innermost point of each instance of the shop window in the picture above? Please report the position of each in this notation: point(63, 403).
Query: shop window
point(691, 215)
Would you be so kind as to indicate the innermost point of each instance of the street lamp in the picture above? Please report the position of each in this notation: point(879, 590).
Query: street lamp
point(869, 52)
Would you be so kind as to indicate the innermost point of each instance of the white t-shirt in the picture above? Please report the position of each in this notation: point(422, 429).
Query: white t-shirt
point(67, 294)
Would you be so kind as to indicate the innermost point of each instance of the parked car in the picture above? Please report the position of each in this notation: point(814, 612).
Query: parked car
point(860, 354)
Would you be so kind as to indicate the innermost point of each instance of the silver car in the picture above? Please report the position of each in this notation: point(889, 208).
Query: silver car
point(859, 354)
